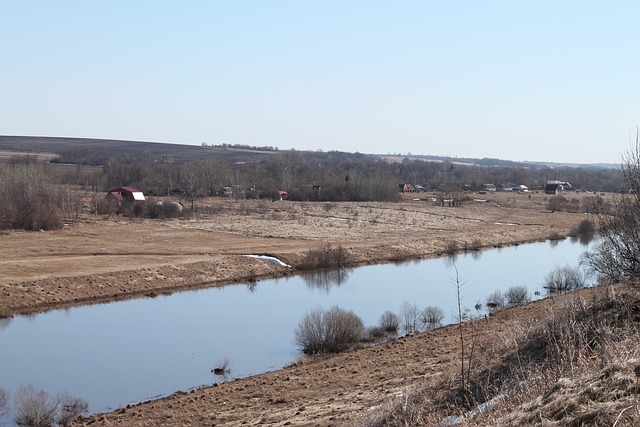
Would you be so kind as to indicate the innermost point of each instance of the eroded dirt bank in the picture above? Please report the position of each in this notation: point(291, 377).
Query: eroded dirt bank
point(101, 260)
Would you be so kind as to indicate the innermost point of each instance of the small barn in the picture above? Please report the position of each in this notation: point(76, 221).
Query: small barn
point(283, 194)
point(552, 189)
point(407, 188)
point(128, 194)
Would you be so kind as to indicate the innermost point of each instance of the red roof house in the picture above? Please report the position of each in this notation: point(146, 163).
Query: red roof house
point(125, 193)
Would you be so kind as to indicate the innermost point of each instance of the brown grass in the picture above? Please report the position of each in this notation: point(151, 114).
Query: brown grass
point(576, 364)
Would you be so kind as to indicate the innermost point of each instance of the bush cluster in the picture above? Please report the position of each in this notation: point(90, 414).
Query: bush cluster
point(35, 408)
point(29, 200)
point(325, 258)
point(330, 331)
point(513, 296)
point(142, 209)
point(564, 279)
point(533, 372)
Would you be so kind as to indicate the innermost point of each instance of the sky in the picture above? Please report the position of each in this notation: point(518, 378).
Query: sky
point(515, 80)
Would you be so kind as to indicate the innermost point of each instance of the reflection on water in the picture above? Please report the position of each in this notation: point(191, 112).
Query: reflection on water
point(450, 260)
point(129, 351)
point(5, 322)
point(584, 238)
point(555, 242)
point(326, 279)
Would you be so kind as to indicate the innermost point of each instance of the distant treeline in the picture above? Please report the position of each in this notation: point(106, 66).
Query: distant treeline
point(266, 172)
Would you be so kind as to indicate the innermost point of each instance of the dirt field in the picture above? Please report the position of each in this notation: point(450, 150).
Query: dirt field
point(109, 259)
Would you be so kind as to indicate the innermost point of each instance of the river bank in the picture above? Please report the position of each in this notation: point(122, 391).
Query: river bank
point(102, 260)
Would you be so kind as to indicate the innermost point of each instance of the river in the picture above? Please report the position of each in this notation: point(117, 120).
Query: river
point(126, 352)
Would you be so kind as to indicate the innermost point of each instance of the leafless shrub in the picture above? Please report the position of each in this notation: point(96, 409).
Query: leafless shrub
point(222, 367)
point(4, 312)
point(561, 203)
point(302, 360)
point(407, 408)
point(70, 408)
point(4, 402)
point(495, 301)
point(586, 226)
point(451, 247)
point(374, 334)
point(564, 279)
point(329, 331)
point(475, 245)
point(431, 317)
point(29, 199)
point(516, 295)
point(554, 235)
point(161, 209)
point(410, 317)
point(593, 204)
point(34, 408)
point(389, 321)
point(325, 258)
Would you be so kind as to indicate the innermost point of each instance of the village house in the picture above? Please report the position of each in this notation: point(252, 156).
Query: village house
point(128, 194)
point(556, 187)
point(410, 188)
point(488, 187)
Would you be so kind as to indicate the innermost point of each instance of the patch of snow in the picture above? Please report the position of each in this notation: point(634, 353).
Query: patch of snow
point(269, 259)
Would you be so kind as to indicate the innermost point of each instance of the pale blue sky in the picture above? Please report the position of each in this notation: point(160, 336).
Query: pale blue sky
point(536, 80)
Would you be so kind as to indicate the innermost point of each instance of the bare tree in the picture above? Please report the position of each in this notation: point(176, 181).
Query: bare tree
point(410, 315)
point(617, 255)
point(517, 295)
point(459, 284)
point(70, 408)
point(286, 166)
point(34, 408)
point(431, 317)
point(29, 199)
point(213, 172)
point(4, 402)
point(192, 183)
point(389, 321)
point(495, 301)
point(564, 279)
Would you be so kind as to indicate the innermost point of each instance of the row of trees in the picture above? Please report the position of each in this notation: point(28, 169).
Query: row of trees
point(31, 201)
point(321, 176)
point(336, 176)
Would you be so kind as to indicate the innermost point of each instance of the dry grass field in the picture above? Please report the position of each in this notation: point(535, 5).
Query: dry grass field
point(102, 259)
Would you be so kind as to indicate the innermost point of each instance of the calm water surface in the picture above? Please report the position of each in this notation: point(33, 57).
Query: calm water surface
point(126, 352)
